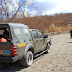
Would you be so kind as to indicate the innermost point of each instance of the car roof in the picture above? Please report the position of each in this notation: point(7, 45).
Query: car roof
point(15, 24)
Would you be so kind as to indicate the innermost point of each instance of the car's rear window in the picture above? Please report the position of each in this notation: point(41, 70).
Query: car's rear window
point(4, 35)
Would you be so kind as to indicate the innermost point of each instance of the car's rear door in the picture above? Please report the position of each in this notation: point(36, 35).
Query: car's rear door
point(5, 47)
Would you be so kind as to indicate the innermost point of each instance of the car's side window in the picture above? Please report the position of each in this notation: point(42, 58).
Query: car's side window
point(17, 31)
point(27, 34)
point(40, 34)
point(35, 34)
point(18, 34)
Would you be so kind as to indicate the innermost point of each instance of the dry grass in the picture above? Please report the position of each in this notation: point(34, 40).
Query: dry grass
point(53, 28)
point(47, 23)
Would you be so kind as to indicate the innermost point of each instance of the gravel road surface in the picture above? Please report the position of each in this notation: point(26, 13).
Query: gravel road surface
point(58, 60)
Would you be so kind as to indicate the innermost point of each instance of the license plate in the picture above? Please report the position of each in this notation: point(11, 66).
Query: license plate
point(4, 52)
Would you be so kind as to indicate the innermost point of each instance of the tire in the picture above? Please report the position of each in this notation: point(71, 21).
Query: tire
point(28, 60)
point(47, 48)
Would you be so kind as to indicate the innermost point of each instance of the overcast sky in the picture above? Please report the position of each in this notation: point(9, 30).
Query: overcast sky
point(48, 7)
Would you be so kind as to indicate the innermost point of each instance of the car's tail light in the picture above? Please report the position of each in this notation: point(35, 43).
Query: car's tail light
point(13, 50)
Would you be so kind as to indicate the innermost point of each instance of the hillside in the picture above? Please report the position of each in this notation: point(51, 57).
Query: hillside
point(53, 23)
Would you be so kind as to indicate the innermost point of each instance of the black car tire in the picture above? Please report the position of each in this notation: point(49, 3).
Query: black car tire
point(47, 48)
point(28, 60)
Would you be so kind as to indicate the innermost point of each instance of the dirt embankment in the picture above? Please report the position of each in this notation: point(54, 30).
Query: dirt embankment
point(58, 60)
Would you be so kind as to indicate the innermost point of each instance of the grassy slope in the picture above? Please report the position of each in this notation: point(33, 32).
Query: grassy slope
point(48, 23)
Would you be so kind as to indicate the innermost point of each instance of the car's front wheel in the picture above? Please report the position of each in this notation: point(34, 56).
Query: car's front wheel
point(48, 48)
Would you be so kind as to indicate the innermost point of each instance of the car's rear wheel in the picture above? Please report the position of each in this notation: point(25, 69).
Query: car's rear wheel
point(28, 60)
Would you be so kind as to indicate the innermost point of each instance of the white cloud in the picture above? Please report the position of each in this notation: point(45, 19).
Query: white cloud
point(41, 0)
point(62, 6)
point(26, 10)
point(29, 2)
point(14, 5)
point(32, 13)
point(28, 13)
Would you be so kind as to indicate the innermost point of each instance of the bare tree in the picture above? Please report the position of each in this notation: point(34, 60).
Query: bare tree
point(10, 8)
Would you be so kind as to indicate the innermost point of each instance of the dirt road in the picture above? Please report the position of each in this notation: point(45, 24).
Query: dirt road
point(58, 60)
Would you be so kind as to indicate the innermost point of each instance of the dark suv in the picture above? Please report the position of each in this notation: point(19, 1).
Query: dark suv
point(23, 44)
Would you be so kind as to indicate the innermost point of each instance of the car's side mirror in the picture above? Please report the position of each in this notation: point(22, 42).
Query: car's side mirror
point(45, 36)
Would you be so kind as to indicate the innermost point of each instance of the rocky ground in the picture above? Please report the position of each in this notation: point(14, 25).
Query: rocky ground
point(58, 60)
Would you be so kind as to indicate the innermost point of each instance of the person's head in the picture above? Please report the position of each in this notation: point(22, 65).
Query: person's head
point(6, 34)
